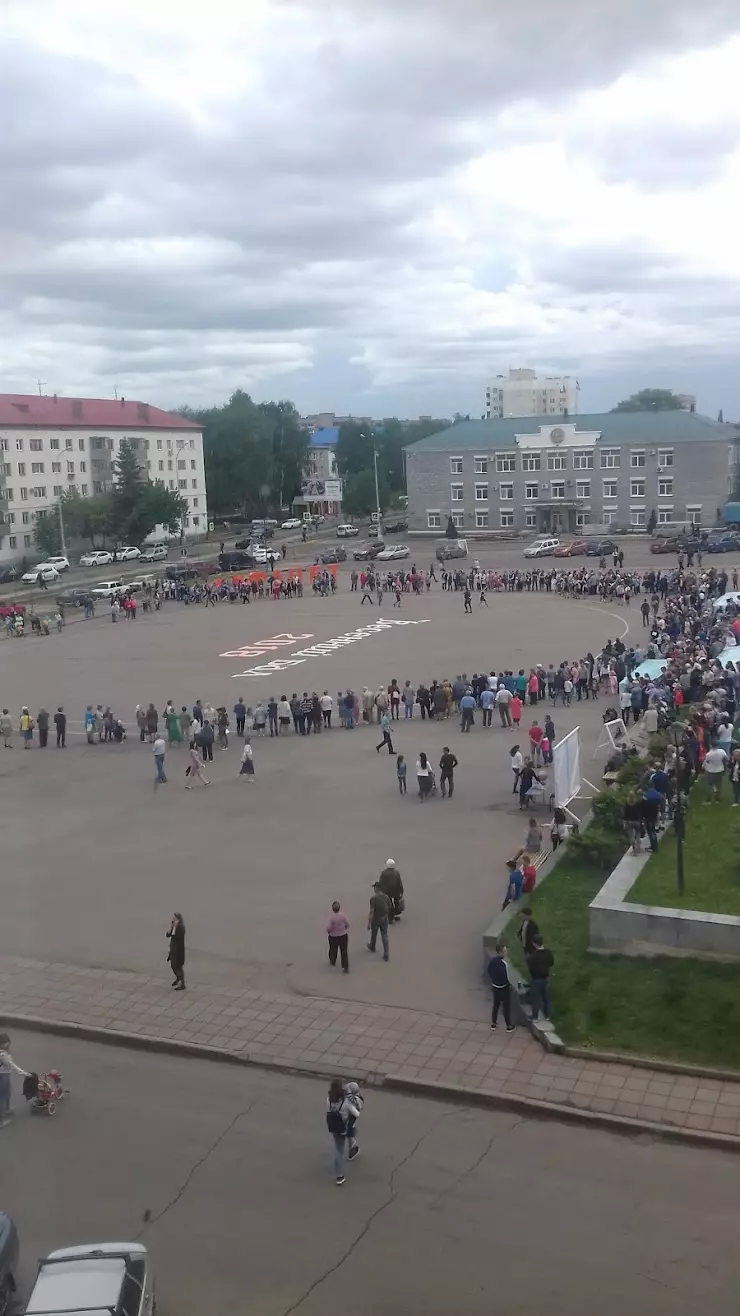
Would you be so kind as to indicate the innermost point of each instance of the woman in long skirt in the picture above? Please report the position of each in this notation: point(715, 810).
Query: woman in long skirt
point(172, 722)
point(247, 760)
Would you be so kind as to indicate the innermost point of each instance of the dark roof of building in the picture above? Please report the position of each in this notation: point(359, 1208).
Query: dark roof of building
point(326, 437)
point(614, 427)
point(30, 410)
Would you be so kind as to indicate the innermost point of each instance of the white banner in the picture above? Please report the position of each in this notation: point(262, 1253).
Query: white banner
point(566, 758)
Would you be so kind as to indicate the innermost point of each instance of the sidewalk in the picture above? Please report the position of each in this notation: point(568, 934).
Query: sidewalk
point(366, 1041)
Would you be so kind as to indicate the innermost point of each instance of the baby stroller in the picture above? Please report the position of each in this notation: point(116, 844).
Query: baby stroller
point(44, 1091)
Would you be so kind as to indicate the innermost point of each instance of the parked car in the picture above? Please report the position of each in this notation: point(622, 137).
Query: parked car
point(42, 571)
point(601, 547)
point(347, 531)
point(9, 1251)
point(98, 558)
point(721, 544)
point(576, 548)
point(156, 553)
point(449, 548)
point(235, 559)
point(126, 554)
point(72, 598)
point(543, 547)
point(367, 552)
point(7, 608)
point(293, 523)
point(7, 574)
point(664, 546)
point(94, 1278)
point(263, 529)
point(395, 527)
point(393, 552)
point(61, 563)
point(338, 554)
point(107, 588)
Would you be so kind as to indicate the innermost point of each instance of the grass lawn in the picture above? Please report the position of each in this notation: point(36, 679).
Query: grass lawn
point(711, 861)
point(677, 1009)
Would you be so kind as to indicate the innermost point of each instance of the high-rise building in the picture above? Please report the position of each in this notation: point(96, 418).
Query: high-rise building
point(521, 393)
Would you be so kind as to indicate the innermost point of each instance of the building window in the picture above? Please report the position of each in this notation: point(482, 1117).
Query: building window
point(665, 515)
point(192, 443)
point(160, 465)
point(37, 468)
point(480, 465)
point(10, 518)
point(182, 484)
point(4, 445)
point(9, 494)
point(70, 468)
point(12, 541)
point(665, 488)
point(195, 502)
point(54, 443)
point(582, 519)
point(19, 445)
point(81, 445)
point(557, 489)
point(531, 461)
point(172, 484)
point(181, 465)
point(506, 519)
point(530, 520)
point(35, 445)
point(557, 461)
point(637, 518)
point(583, 461)
point(196, 519)
point(505, 462)
point(25, 517)
point(169, 445)
point(609, 488)
point(637, 458)
point(39, 491)
point(169, 465)
point(481, 493)
point(506, 492)
point(21, 468)
point(194, 483)
point(665, 456)
point(69, 443)
point(24, 494)
point(26, 541)
point(56, 468)
point(159, 445)
point(531, 490)
point(456, 465)
point(583, 488)
point(456, 493)
point(458, 520)
point(57, 490)
point(609, 517)
point(611, 459)
point(637, 488)
point(83, 467)
point(192, 464)
point(6, 468)
point(481, 520)
point(693, 513)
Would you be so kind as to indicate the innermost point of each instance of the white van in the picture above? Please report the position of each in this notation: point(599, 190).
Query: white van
point(543, 547)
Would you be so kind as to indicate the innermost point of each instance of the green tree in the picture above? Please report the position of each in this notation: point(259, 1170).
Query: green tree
point(137, 504)
point(358, 493)
point(355, 446)
point(46, 532)
point(87, 518)
point(650, 399)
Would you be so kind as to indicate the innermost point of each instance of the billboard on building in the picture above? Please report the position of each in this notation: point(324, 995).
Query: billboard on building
point(321, 490)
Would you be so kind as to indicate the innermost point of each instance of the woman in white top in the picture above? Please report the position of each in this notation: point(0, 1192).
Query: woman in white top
point(423, 776)
point(517, 763)
point(7, 1067)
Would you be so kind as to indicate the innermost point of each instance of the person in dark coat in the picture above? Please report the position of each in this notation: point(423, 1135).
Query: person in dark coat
point(176, 956)
point(391, 885)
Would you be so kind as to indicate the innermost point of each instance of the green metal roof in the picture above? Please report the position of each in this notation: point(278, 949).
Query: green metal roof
point(615, 427)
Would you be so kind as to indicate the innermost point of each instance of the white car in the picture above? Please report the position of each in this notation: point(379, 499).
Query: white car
point(543, 547)
point(347, 531)
point(127, 554)
point(96, 1278)
point(61, 563)
point(44, 571)
point(392, 552)
point(107, 588)
point(259, 553)
point(294, 523)
point(154, 554)
point(98, 558)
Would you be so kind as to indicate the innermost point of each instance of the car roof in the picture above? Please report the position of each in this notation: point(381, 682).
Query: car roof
point(74, 1284)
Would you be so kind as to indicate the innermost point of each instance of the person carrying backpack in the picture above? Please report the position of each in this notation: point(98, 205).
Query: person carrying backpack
point(343, 1106)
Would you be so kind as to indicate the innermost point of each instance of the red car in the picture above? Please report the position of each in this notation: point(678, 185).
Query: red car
point(7, 608)
point(576, 548)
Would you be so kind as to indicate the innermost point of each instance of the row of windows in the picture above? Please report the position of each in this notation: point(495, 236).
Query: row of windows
point(583, 460)
point(557, 490)
point(96, 442)
point(638, 517)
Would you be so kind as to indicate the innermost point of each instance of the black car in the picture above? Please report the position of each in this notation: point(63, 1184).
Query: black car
point(367, 552)
point(394, 527)
point(234, 559)
point(721, 544)
point(601, 548)
point(338, 554)
point(72, 598)
point(8, 1262)
point(7, 575)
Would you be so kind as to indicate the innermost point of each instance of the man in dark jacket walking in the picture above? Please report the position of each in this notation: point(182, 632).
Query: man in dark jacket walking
point(498, 972)
point(204, 739)
point(539, 962)
point(377, 922)
point(391, 885)
point(447, 765)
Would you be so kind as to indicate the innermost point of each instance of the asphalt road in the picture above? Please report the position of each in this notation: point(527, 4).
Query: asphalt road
point(447, 1209)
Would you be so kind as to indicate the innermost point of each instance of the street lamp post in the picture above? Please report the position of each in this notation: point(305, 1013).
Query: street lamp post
point(678, 735)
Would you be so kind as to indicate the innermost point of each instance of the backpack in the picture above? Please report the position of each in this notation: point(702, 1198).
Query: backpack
point(335, 1121)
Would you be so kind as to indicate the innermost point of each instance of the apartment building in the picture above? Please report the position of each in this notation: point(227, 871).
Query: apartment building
point(51, 445)
point(521, 393)
point(536, 476)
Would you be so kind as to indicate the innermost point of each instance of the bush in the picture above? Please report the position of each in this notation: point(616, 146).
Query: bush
point(632, 772)
point(601, 846)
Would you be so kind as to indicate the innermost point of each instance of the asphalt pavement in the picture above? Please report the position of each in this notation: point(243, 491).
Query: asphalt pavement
point(447, 1209)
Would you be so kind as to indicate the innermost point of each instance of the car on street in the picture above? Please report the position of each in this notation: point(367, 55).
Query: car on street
point(293, 523)
point(96, 1278)
point(393, 552)
point(665, 546)
point(61, 563)
point(235, 559)
point(338, 554)
point(263, 529)
point(156, 553)
point(127, 554)
point(395, 527)
point(243, 544)
point(722, 544)
point(576, 548)
point(107, 588)
point(451, 548)
point(347, 531)
point(601, 547)
point(7, 575)
point(98, 558)
point(543, 547)
point(9, 1251)
point(72, 598)
point(42, 571)
point(366, 552)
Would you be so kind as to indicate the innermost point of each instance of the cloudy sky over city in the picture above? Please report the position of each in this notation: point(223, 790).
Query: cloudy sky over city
point(370, 205)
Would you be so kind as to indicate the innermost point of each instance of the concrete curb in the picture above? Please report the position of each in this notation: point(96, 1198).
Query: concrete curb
point(528, 1106)
point(546, 1110)
point(647, 1062)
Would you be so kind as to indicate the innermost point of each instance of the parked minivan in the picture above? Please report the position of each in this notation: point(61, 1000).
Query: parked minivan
point(543, 547)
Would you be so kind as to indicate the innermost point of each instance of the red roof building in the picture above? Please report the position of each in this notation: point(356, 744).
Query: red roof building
point(28, 410)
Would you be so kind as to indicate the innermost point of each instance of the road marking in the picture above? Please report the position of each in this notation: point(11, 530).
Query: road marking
point(324, 648)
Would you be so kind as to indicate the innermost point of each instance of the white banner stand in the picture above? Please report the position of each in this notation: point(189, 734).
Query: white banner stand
point(614, 735)
point(566, 758)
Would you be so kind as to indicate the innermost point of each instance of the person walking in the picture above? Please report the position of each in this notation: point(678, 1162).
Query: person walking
point(151, 718)
point(423, 776)
point(176, 954)
point(401, 771)
point(141, 722)
point(327, 706)
point(517, 763)
point(6, 729)
point(240, 713)
point(467, 710)
point(447, 765)
point(194, 770)
point(378, 918)
point(159, 749)
point(42, 722)
point(503, 701)
point(337, 930)
point(391, 885)
point(247, 760)
point(7, 1068)
point(385, 725)
point(539, 962)
point(342, 1112)
point(204, 739)
point(498, 972)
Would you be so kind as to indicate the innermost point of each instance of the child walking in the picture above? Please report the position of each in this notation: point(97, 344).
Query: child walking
point(247, 767)
point(401, 774)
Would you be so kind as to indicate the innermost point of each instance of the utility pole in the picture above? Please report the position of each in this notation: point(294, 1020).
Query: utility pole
point(377, 495)
point(61, 529)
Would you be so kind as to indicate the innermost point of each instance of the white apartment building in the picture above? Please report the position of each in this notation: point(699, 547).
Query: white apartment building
point(51, 445)
point(521, 393)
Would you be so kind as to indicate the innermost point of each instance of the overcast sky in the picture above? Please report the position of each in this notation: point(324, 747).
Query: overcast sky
point(370, 205)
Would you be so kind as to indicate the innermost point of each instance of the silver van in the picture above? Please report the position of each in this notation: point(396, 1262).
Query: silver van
point(99, 1279)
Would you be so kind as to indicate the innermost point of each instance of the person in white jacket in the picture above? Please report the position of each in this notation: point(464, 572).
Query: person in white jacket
point(343, 1106)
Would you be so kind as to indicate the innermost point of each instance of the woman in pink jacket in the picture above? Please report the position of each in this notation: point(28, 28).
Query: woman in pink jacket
point(337, 930)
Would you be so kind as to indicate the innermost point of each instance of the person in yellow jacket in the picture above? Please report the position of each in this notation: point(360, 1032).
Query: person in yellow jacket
point(26, 727)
